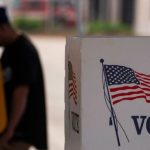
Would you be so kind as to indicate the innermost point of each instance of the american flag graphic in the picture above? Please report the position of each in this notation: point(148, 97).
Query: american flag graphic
point(72, 83)
point(125, 84)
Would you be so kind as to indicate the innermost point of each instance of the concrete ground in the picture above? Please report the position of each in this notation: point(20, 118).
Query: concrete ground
point(52, 53)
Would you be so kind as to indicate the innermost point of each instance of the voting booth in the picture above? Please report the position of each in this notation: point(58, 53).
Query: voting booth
point(107, 93)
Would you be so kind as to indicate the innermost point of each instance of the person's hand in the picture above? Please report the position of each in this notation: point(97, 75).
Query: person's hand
point(6, 137)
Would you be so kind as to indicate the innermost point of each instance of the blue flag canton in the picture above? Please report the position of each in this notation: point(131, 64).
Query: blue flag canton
point(120, 75)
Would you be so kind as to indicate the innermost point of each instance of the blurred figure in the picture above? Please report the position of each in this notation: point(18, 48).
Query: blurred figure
point(24, 90)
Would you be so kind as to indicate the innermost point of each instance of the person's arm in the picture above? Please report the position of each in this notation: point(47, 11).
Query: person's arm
point(19, 101)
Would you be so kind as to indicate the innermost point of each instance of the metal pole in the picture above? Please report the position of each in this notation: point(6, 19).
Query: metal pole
point(79, 19)
point(111, 107)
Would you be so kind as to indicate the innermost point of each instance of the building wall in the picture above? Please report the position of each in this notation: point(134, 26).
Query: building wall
point(142, 17)
point(115, 11)
point(136, 13)
point(104, 10)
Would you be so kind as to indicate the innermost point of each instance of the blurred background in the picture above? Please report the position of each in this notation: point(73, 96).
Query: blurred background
point(81, 16)
point(49, 22)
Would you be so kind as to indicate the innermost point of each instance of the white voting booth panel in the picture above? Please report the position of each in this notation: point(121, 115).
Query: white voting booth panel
point(107, 100)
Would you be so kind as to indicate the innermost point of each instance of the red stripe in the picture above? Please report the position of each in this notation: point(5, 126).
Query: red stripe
point(142, 77)
point(145, 85)
point(75, 97)
point(128, 88)
point(129, 93)
point(142, 74)
point(70, 90)
point(123, 88)
point(73, 85)
point(145, 89)
point(73, 89)
point(130, 99)
point(143, 80)
point(75, 102)
point(71, 94)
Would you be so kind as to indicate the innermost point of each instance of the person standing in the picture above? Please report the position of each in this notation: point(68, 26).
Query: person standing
point(24, 90)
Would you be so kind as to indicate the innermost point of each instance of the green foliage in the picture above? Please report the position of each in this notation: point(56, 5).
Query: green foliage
point(28, 24)
point(97, 27)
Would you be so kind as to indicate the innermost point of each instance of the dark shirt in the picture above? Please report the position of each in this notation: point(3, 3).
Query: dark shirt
point(21, 66)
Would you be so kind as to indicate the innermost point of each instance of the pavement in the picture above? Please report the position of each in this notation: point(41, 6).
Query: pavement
point(52, 54)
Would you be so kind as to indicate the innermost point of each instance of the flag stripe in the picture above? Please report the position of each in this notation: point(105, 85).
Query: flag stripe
point(144, 81)
point(123, 88)
point(73, 88)
point(129, 93)
point(145, 85)
point(131, 98)
point(72, 91)
point(145, 89)
point(126, 93)
point(142, 74)
point(72, 94)
point(127, 88)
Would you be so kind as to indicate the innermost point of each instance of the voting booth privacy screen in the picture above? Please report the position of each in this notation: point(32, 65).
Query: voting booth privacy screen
point(107, 93)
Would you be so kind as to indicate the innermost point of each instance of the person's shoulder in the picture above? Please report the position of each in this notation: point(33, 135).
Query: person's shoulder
point(25, 45)
point(26, 42)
